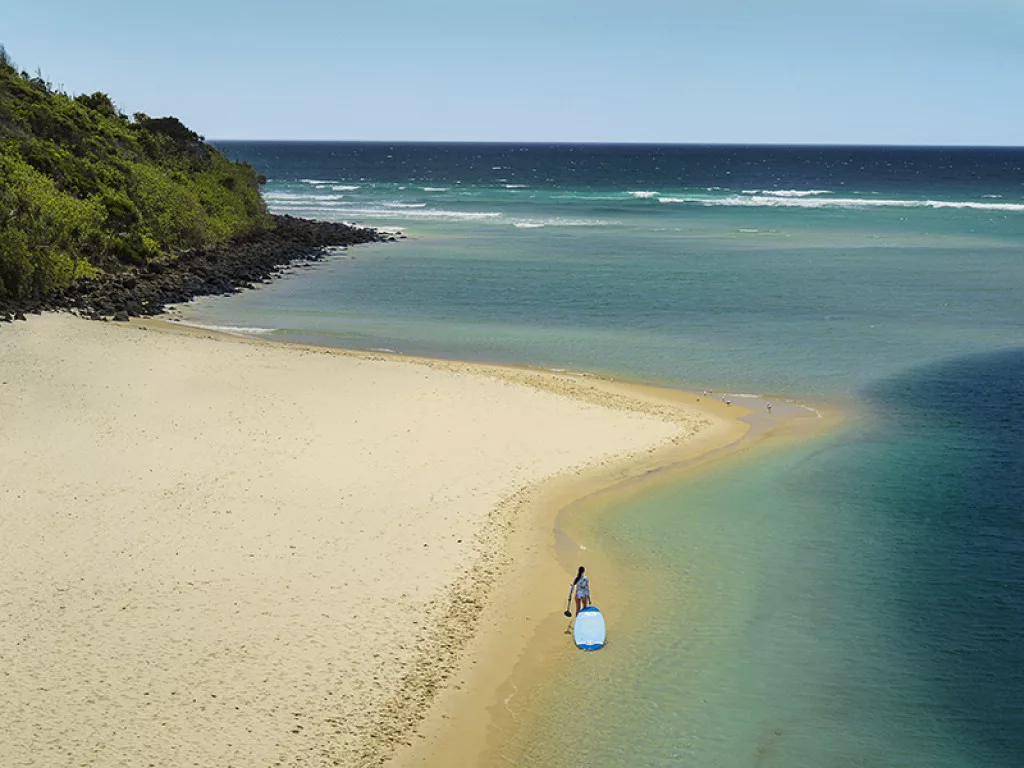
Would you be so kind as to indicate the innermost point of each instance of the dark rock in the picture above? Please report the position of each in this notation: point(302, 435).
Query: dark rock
point(224, 269)
point(121, 317)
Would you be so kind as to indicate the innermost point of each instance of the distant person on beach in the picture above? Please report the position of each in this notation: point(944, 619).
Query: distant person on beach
point(581, 586)
point(769, 407)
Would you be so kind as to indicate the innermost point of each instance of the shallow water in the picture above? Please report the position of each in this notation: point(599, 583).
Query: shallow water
point(856, 600)
point(852, 601)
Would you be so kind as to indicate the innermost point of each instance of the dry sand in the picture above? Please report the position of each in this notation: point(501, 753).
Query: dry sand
point(222, 552)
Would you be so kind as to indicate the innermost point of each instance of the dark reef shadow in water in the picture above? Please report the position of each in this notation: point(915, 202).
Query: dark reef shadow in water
point(956, 476)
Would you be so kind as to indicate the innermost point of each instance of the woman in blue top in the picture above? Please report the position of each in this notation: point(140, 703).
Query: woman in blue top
point(581, 586)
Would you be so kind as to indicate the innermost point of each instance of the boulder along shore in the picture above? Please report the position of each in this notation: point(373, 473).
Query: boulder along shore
point(227, 268)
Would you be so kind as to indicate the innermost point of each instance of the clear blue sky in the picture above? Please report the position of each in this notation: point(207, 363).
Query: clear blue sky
point(773, 71)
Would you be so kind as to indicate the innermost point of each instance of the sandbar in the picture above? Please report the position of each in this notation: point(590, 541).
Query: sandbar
point(222, 551)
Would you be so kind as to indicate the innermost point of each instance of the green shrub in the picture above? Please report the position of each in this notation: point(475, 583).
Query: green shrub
point(85, 189)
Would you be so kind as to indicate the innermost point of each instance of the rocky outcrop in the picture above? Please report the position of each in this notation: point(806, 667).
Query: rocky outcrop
point(223, 269)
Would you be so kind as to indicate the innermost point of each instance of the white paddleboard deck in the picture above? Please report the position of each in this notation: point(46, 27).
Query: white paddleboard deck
point(589, 630)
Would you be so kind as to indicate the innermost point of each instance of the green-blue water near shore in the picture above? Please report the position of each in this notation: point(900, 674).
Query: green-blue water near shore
point(856, 600)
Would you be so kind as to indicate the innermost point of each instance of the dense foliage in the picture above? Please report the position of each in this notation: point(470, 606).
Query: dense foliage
point(85, 189)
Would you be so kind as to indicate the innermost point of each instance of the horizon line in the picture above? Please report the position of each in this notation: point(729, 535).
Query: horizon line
point(539, 142)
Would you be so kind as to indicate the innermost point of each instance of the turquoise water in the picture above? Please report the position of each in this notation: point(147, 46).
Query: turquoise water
point(856, 600)
point(863, 609)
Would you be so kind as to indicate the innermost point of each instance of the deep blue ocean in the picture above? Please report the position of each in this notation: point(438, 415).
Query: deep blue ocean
point(853, 600)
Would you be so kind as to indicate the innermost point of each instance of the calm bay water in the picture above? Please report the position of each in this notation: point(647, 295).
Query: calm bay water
point(857, 600)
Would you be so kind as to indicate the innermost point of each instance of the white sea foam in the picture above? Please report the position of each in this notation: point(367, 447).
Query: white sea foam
point(837, 202)
point(232, 329)
point(644, 195)
point(318, 181)
point(391, 213)
point(975, 206)
point(284, 196)
point(404, 205)
point(302, 205)
point(588, 198)
point(559, 222)
point(436, 189)
point(516, 186)
point(795, 192)
point(345, 187)
point(312, 210)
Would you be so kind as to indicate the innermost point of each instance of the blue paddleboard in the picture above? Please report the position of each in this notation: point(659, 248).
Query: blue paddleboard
point(589, 630)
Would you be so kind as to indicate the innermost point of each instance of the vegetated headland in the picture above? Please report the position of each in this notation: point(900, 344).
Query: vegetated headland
point(114, 216)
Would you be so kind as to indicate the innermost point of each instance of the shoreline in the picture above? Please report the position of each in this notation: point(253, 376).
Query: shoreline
point(440, 727)
point(461, 629)
point(468, 718)
point(527, 637)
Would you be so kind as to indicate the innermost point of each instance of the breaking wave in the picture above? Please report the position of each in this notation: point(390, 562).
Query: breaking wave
point(421, 213)
point(774, 201)
point(232, 329)
point(788, 192)
point(284, 197)
point(558, 221)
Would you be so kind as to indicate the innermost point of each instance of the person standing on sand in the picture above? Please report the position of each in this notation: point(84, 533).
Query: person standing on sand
point(581, 586)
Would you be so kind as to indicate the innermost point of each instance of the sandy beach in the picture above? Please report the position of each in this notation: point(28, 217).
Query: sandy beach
point(219, 551)
point(495, 686)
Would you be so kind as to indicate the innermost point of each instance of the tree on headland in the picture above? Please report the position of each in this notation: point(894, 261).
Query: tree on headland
point(85, 189)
